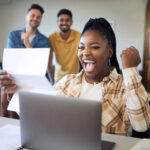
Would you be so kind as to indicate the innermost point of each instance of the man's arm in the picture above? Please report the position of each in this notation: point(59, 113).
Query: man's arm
point(25, 39)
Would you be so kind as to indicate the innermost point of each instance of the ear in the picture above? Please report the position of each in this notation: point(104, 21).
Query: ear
point(110, 53)
point(57, 21)
point(26, 16)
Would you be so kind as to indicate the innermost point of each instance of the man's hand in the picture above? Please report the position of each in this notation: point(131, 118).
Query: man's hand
point(25, 39)
point(130, 57)
point(7, 83)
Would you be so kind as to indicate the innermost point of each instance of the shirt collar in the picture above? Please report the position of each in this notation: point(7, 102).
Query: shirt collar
point(24, 30)
point(113, 76)
point(71, 37)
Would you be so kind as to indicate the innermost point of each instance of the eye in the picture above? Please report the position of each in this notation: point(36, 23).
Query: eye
point(39, 17)
point(81, 47)
point(32, 15)
point(61, 20)
point(67, 20)
point(95, 47)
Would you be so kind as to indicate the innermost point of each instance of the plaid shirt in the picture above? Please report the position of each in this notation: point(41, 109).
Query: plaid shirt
point(124, 100)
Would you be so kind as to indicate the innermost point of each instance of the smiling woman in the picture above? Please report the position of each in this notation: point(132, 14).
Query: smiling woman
point(94, 54)
point(124, 99)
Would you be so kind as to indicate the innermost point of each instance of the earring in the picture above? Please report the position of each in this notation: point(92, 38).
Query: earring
point(109, 64)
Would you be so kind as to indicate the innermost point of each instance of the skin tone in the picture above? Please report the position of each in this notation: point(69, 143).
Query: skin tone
point(64, 23)
point(130, 57)
point(33, 20)
point(94, 53)
point(7, 82)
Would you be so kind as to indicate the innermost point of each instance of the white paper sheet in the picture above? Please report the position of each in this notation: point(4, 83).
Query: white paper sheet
point(10, 137)
point(26, 61)
point(28, 67)
point(33, 82)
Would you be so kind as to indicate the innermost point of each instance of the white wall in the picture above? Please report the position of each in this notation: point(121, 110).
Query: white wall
point(128, 17)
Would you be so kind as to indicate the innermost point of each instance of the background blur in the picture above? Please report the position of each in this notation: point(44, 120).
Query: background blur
point(127, 18)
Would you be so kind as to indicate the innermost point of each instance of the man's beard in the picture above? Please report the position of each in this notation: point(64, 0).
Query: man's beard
point(34, 27)
point(64, 30)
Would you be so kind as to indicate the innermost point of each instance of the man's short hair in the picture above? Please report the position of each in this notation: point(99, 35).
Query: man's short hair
point(36, 6)
point(64, 11)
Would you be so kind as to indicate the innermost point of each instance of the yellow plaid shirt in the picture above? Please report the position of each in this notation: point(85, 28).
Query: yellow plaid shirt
point(124, 100)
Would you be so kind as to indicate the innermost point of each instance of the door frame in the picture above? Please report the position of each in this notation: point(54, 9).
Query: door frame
point(146, 45)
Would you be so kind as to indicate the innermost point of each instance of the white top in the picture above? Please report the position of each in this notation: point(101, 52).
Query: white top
point(91, 91)
point(31, 38)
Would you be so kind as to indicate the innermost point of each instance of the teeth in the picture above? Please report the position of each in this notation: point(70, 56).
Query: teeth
point(88, 61)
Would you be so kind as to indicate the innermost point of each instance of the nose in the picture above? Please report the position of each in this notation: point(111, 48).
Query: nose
point(86, 52)
point(64, 22)
point(36, 18)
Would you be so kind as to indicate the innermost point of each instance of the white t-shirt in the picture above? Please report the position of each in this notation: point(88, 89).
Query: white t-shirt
point(91, 91)
point(31, 38)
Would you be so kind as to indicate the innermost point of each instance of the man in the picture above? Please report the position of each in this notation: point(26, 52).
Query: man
point(28, 37)
point(64, 44)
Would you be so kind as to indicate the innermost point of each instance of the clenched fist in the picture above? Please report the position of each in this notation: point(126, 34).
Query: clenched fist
point(25, 39)
point(130, 57)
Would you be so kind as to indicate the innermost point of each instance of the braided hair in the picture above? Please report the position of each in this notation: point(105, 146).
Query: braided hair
point(103, 26)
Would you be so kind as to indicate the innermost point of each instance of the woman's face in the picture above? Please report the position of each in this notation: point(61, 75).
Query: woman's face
point(93, 54)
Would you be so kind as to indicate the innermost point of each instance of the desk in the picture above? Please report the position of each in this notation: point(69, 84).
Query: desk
point(122, 142)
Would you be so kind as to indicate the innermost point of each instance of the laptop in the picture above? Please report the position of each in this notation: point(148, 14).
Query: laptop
point(50, 122)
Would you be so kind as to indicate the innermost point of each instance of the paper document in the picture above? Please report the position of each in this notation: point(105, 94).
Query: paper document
point(28, 67)
point(10, 137)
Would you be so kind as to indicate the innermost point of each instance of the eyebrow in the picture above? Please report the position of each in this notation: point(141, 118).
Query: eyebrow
point(95, 43)
point(90, 43)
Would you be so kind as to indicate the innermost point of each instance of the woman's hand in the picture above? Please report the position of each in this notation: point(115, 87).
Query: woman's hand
point(130, 57)
point(7, 83)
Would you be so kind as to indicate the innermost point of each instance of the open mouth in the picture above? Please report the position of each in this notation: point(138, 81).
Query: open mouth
point(89, 65)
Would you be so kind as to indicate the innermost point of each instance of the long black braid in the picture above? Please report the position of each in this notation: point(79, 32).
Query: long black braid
point(104, 27)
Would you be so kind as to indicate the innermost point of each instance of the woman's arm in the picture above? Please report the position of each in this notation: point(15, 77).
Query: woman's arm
point(136, 96)
point(8, 88)
point(136, 100)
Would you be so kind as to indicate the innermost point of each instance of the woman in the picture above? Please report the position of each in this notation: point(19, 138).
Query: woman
point(124, 99)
